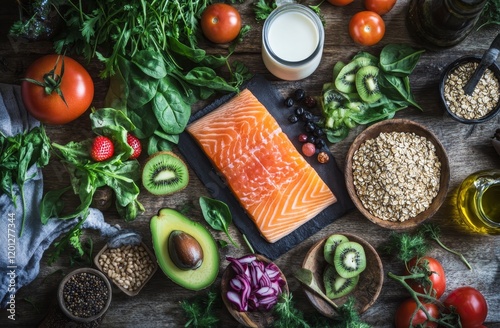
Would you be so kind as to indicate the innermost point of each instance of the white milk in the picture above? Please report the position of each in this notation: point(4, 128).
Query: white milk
point(292, 42)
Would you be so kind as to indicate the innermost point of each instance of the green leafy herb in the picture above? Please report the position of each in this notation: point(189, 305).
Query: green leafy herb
point(263, 9)
point(200, 310)
point(17, 155)
point(490, 14)
point(399, 59)
point(72, 238)
point(150, 51)
point(406, 245)
point(217, 215)
point(433, 232)
point(287, 314)
point(119, 173)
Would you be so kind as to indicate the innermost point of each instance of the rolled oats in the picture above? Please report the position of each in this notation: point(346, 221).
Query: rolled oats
point(396, 175)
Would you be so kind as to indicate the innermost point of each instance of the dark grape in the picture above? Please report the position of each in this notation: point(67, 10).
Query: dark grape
point(303, 137)
point(299, 94)
point(289, 102)
point(293, 118)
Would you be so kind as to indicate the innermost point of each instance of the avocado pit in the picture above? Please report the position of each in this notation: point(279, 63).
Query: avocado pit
point(184, 250)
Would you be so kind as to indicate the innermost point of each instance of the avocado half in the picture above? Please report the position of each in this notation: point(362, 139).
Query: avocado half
point(162, 225)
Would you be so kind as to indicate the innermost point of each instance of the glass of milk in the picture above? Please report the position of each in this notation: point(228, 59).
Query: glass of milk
point(292, 41)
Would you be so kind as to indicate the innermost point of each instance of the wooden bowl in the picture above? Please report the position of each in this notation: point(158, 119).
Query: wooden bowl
point(399, 125)
point(115, 283)
point(62, 303)
point(369, 284)
point(248, 319)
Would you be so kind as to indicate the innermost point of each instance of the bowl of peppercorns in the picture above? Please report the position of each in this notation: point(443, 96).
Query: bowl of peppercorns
point(484, 102)
point(84, 295)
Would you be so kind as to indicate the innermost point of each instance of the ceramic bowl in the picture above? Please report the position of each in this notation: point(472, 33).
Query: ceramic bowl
point(399, 125)
point(370, 280)
point(248, 319)
point(444, 77)
point(128, 291)
point(62, 303)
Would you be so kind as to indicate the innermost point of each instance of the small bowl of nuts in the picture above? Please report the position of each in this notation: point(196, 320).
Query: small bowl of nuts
point(129, 267)
point(397, 173)
point(84, 295)
point(483, 104)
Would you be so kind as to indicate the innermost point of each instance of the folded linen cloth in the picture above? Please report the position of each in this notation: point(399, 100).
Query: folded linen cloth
point(20, 256)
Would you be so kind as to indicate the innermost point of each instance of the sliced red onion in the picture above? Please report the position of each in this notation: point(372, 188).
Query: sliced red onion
point(256, 285)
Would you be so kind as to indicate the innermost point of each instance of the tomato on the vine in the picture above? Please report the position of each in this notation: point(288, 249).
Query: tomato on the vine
point(436, 276)
point(381, 7)
point(220, 23)
point(57, 89)
point(340, 3)
point(366, 28)
point(407, 316)
point(470, 305)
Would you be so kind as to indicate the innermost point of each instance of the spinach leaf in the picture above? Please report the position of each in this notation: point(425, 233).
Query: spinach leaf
point(396, 88)
point(217, 215)
point(170, 109)
point(150, 63)
point(399, 59)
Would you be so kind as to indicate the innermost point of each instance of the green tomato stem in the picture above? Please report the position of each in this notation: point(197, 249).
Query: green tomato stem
point(460, 255)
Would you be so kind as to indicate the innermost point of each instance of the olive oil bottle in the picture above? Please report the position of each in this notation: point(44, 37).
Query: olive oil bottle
point(478, 202)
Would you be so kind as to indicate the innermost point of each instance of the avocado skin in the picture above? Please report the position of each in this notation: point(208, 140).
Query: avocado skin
point(162, 225)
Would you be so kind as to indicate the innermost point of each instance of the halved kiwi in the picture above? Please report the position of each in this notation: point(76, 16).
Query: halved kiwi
point(367, 85)
point(331, 244)
point(349, 259)
point(335, 285)
point(346, 78)
point(164, 173)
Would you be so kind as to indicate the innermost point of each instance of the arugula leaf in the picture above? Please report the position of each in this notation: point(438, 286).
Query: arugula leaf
point(217, 215)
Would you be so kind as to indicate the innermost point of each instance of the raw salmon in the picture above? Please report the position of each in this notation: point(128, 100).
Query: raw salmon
point(279, 190)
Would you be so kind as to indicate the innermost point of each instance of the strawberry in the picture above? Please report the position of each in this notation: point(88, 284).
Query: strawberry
point(102, 149)
point(135, 143)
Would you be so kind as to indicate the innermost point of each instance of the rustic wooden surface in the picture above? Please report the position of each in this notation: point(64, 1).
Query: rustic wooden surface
point(468, 147)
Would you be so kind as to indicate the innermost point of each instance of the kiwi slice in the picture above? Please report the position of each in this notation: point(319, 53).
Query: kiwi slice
point(337, 68)
point(346, 78)
point(164, 173)
point(349, 259)
point(367, 85)
point(332, 99)
point(335, 285)
point(331, 244)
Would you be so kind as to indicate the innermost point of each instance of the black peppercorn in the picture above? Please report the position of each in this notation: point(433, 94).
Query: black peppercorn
point(85, 294)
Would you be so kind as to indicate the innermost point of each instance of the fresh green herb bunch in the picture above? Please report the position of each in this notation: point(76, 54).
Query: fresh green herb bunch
point(150, 50)
point(490, 14)
point(17, 154)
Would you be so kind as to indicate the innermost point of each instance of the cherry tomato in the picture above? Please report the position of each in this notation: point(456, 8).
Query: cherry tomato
point(220, 23)
point(406, 316)
point(366, 28)
point(436, 276)
point(381, 7)
point(340, 3)
point(470, 305)
point(44, 103)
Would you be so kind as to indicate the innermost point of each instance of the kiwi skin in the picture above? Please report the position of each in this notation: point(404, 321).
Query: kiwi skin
point(169, 164)
point(349, 259)
point(335, 285)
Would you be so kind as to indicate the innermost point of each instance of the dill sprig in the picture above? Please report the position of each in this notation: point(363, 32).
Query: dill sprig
point(200, 310)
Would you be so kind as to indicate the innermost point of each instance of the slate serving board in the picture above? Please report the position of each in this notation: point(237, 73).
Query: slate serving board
point(269, 96)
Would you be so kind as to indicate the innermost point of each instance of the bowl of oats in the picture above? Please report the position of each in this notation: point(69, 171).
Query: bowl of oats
point(397, 173)
point(484, 102)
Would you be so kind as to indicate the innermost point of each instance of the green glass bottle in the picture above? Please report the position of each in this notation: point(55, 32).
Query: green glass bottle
point(443, 23)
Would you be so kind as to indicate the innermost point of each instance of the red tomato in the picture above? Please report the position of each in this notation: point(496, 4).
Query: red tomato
point(46, 104)
point(366, 28)
point(340, 2)
point(470, 305)
point(220, 23)
point(407, 316)
point(436, 276)
point(381, 7)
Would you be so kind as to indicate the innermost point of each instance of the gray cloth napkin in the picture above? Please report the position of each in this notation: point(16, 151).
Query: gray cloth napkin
point(20, 256)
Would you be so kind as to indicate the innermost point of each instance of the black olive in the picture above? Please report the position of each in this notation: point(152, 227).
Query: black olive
point(293, 118)
point(289, 102)
point(299, 94)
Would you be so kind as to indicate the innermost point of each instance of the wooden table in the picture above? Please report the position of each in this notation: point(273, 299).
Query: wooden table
point(468, 147)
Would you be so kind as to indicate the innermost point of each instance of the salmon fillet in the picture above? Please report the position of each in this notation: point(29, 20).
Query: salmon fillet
point(276, 186)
